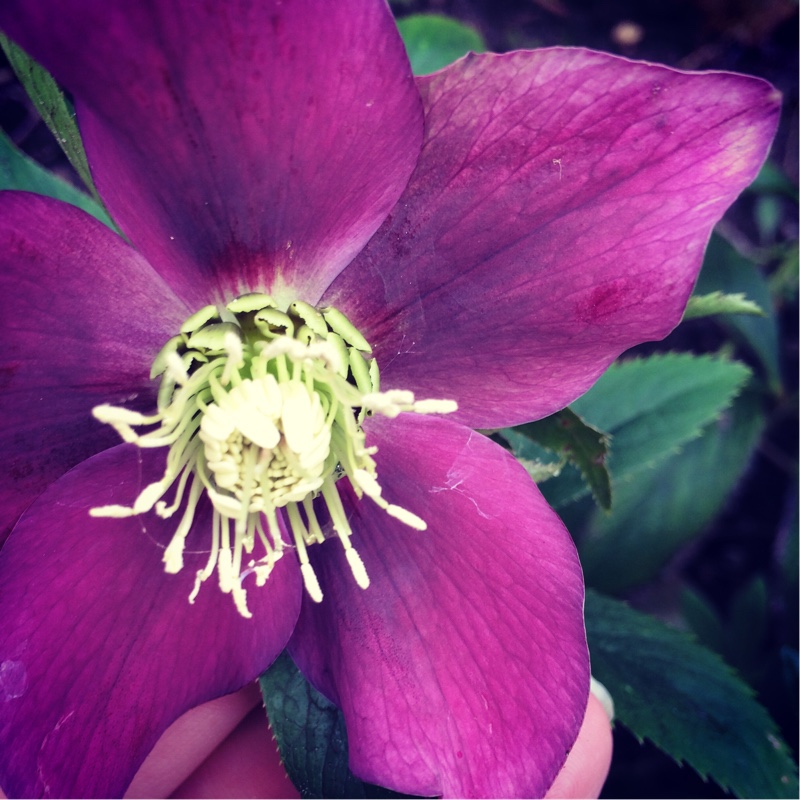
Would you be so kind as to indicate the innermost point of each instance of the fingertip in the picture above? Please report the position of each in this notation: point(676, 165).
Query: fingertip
point(246, 764)
point(587, 765)
point(186, 744)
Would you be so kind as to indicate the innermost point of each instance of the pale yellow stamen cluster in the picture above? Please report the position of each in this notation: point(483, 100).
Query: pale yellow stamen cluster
point(261, 410)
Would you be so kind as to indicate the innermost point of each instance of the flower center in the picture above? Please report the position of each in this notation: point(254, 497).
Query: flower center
point(262, 411)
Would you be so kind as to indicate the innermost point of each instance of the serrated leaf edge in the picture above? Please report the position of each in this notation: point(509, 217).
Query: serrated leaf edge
point(772, 736)
point(747, 375)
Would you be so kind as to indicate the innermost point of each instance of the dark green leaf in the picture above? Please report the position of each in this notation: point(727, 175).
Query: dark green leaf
point(707, 305)
point(651, 407)
point(747, 629)
point(772, 180)
point(666, 507)
point(311, 736)
point(768, 213)
point(568, 436)
point(740, 638)
point(434, 41)
point(789, 563)
point(703, 620)
point(19, 172)
point(51, 103)
point(726, 270)
point(687, 701)
point(783, 282)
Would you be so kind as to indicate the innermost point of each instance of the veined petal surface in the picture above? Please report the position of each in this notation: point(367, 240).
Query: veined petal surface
point(82, 317)
point(558, 215)
point(240, 145)
point(99, 649)
point(462, 670)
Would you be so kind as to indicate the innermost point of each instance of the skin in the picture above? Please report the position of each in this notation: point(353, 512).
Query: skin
point(210, 752)
point(223, 749)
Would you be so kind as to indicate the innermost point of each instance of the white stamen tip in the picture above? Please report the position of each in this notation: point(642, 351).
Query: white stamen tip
point(357, 567)
point(311, 582)
point(233, 346)
point(225, 570)
point(118, 512)
point(111, 415)
point(176, 368)
point(405, 516)
point(370, 486)
point(199, 577)
point(173, 556)
point(402, 397)
point(148, 497)
point(240, 600)
point(435, 406)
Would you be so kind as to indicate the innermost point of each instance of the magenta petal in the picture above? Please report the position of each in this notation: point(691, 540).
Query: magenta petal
point(261, 143)
point(463, 668)
point(82, 316)
point(558, 216)
point(100, 650)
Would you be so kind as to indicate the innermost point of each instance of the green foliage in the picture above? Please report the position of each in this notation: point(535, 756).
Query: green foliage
point(741, 637)
point(433, 41)
point(772, 180)
point(19, 172)
point(311, 735)
point(669, 505)
point(651, 407)
point(51, 103)
point(683, 698)
point(568, 436)
point(726, 270)
point(707, 305)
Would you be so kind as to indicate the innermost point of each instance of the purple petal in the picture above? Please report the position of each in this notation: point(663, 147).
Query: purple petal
point(463, 668)
point(100, 650)
point(82, 316)
point(256, 144)
point(558, 216)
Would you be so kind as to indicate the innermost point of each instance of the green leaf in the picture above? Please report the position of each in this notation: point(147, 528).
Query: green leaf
point(651, 408)
point(433, 41)
point(708, 305)
point(51, 103)
point(783, 282)
point(568, 436)
point(740, 638)
point(726, 270)
point(311, 735)
point(18, 171)
point(747, 629)
point(687, 701)
point(768, 212)
point(668, 506)
point(772, 180)
point(703, 620)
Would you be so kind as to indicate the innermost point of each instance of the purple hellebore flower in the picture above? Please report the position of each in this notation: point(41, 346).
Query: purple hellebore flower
point(499, 232)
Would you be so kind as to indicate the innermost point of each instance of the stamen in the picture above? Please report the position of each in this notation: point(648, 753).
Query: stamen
point(406, 517)
point(357, 567)
point(435, 406)
point(176, 368)
point(310, 582)
point(173, 555)
point(261, 409)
